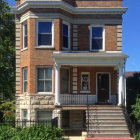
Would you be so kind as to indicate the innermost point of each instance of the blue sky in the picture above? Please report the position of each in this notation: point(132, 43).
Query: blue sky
point(131, 33)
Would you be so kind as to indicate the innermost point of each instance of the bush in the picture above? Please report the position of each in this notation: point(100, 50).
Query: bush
point(32, 133)
point(8, 109)
point(137, 136)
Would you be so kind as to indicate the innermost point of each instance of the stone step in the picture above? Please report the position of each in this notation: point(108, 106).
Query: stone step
point(109, 134)
point(105, 113)
point(105, 110)
point(104, 131)
point(103, 107)
point(105, 116)
point(109, 138)
point(98, 127)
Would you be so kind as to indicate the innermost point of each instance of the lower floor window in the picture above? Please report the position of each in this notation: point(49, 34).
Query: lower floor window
point(44, 115)
point(44, 79)
point(85, 82)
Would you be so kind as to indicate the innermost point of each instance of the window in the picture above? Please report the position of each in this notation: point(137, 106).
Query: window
point(45, 33)
point(24, 114)
point(85, 82)
point(25, 36)
point(66, 36)
point(97, 38)
point(65, 81)
point(44, 79)
point(44, 115)
point(25, 79)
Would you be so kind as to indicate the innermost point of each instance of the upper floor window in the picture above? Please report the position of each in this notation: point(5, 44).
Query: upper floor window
point(25, 79)
point(97, 38)
point(44, 79)
point(45, 33)
point(66, 35)
point(25, 36)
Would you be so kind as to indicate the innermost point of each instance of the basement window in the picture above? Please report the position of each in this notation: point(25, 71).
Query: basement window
point(45, 34)
point(97, 36)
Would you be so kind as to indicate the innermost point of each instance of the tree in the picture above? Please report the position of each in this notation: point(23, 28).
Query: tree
point(7, 52)
point(133, 90)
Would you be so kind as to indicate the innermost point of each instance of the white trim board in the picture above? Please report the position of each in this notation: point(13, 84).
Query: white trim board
point(68, 19)
point(67, 7)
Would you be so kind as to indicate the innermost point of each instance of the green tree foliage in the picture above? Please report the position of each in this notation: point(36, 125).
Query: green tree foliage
point(133, 90)
point(7, 52)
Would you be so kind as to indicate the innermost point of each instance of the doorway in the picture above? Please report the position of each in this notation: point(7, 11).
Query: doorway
point(103, 87)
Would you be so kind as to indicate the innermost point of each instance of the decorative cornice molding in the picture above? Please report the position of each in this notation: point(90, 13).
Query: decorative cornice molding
point(68, 19)
point(67, 7)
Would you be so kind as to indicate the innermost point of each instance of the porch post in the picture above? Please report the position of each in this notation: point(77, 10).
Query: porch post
point(120, 85)
point(57, 84)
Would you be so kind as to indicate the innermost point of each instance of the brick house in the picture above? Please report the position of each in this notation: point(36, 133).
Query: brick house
point(70, 65)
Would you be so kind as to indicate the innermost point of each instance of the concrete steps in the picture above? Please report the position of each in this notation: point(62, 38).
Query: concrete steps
point(98, 138)
point(106, 121)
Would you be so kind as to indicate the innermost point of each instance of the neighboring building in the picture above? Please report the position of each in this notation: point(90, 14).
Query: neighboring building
point(70, 65)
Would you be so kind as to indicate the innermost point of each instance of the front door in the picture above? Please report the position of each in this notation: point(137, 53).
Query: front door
point(103, 87)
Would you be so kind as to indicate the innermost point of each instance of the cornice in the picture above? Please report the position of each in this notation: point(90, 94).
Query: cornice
point(67, 7)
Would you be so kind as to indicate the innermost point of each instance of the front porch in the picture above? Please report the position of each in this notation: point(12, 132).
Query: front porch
point(85, 79)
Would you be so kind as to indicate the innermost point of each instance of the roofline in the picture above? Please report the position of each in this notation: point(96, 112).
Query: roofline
point(67, 7)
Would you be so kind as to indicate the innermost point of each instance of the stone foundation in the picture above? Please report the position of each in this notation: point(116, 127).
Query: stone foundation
point(34, 102)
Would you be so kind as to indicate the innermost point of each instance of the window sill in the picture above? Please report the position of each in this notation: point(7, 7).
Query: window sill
point(45, 93)
point(24, 49)
point(100, 50)
point(66, 49)
point(82, 91)
point(44, 47)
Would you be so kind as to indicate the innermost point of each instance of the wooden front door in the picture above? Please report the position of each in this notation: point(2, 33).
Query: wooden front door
point(103, 87)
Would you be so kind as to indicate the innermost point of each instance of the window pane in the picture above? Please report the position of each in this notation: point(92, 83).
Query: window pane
point(65, 81)
point(97, 44)
point(24, 114)
point(85, 84)
point(65, 42)
point(40, 73)
point(45, 27)
point(44, 115)
point(25, 41)
point(48, 86)
point(65, 29)
point(44, 39)
point(25, 29)
point(97, 31)
point(48, 73)
point(25, 73)
point(25, 86)
point(40, 86)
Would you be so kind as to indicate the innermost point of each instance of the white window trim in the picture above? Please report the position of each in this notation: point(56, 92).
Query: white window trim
point(103, 43)
point(85, 91)
point(23, 69)
point(45, 46)
point(23, 34)
point(37, 79)
point(36, 112)
point(69, 36)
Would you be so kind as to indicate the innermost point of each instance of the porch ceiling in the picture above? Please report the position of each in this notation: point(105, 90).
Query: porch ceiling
point(89, 58)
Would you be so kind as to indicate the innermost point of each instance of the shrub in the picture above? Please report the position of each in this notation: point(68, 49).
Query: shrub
point(8, 109)
point(137, 136)
point(31, 133)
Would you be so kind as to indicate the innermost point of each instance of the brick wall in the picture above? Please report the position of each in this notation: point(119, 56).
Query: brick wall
point(88, 3)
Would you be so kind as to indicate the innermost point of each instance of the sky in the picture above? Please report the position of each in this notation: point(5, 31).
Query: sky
point(131, 33)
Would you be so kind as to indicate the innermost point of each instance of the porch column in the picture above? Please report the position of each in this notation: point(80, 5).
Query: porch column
point(120, 84)
point(57, 84)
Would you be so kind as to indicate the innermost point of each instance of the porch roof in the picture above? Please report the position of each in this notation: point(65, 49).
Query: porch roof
point(89, 58)
point(77, 54)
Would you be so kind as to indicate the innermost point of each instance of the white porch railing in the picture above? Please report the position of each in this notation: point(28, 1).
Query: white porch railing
point(77, 99)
